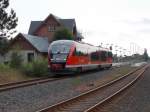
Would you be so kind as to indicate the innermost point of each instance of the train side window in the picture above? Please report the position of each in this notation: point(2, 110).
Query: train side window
point(94, 56)
point(81, 51)
point(106, 54)
point(110, 54)
point(74, 52)
point(103, 55)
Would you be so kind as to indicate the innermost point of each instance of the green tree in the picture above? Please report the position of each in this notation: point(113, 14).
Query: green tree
point(8, 20)
point(63, 34)
point(4, 46)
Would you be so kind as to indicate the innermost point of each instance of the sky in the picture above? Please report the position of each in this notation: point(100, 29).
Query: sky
point(121, 23)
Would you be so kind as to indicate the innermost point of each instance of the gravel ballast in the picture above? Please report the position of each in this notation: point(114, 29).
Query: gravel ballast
point(33, 98)
point(134, 99)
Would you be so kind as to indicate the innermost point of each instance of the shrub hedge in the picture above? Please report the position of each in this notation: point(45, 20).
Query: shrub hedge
point(36, 68)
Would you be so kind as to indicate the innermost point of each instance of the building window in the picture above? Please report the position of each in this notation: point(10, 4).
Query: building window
point(30, 57)
point(51, 28)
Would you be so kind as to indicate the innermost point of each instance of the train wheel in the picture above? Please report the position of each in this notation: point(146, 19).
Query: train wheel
point(100, 67)
point(109, 66)
point(79, 69)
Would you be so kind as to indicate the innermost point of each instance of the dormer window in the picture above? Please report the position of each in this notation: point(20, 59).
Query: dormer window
point(51, 28)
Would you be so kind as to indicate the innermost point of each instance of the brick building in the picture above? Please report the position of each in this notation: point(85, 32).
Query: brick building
point(35, 44)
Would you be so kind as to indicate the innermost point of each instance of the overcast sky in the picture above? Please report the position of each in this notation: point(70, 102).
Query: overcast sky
point(125, 23)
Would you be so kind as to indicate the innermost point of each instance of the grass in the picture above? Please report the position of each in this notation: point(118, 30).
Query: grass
point(8, 74)
point(16, 72)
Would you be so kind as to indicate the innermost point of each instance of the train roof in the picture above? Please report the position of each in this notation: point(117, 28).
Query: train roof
point(75, 42)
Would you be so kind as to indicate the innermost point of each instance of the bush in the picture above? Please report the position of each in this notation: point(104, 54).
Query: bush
point(4, 67)
point(27, 68)
point(36, 68)
point(16, 60)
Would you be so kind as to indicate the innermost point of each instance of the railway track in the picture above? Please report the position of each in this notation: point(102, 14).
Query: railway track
point(19, 84)
point(91, 100)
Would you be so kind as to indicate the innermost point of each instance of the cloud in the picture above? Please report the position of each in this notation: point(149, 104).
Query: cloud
point(144, 31)
point(145, 21)
point(138, 21)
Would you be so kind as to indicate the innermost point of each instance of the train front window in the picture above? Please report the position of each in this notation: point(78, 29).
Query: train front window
point(60, 49)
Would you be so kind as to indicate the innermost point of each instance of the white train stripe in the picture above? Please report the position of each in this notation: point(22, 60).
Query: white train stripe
point(87, 65)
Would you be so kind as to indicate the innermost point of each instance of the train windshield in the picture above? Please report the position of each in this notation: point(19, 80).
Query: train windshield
point(60, 48)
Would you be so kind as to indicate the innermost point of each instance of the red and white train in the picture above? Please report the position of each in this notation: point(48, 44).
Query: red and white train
point(71, 56)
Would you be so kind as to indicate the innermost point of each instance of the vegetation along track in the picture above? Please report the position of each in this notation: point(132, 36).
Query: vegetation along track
point(88, 102)
point(19, 84)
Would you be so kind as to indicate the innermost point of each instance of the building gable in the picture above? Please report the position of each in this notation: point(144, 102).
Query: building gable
point(30, 42)
point(52, 23)
point(49, 21)
point(41, 44)
point(21, 43)
point(47, 27)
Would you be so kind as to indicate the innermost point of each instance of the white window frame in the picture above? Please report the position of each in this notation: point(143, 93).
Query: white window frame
point(51, 28)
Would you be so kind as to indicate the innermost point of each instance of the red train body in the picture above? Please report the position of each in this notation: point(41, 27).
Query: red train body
point(72, 56)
